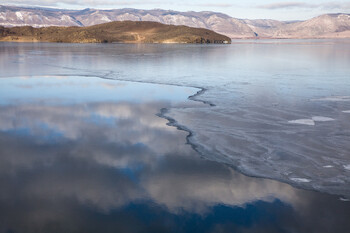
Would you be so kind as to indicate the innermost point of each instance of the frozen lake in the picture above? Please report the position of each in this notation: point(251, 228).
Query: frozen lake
point(85, 154)
point(281, 107)
point(83, 148)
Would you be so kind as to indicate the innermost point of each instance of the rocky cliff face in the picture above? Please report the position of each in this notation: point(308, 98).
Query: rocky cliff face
point(331, 25)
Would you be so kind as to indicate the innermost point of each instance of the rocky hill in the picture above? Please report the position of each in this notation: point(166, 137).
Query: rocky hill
point(43, 17)
point(325, 26)
point(114, 32)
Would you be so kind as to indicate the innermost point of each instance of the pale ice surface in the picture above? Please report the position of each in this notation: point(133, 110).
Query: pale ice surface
point(254, 89)
point(346, 111)
point(303, 122)
point(347, 167)
point(311, 121)
point(303, 180)
point(334, 98)
point(328, 166)
point(321, 118)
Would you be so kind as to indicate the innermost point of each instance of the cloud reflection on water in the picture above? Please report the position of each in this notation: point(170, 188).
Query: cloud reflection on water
point(123, 136)
point(96, 165)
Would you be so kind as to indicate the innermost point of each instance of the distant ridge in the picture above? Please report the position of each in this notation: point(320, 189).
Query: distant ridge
point(114, 32)
point(324, 26)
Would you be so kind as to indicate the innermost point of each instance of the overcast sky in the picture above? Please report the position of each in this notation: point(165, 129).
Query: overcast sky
point(252, 9)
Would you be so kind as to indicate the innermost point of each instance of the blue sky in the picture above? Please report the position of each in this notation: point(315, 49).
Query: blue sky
point(251, 9)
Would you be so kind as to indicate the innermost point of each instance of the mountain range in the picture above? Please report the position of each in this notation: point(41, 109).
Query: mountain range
point(323, 26)
point(114, 32)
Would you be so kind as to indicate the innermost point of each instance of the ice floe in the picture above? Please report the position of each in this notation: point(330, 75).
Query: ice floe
point(346, 111)
point(328, 166)
point(347, 167)
point(303, 122)
point(343, 199)
point(302, 180)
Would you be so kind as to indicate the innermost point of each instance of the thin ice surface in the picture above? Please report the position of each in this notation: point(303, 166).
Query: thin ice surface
point(257, 89)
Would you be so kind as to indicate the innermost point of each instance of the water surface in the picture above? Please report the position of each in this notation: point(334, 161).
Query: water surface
point(281, 106)
point(85, 154)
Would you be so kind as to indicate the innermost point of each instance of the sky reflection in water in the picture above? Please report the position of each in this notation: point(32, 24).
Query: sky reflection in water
point(73, 160)
point(259, 88)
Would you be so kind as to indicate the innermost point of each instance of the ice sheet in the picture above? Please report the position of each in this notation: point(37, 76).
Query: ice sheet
point(250, 92)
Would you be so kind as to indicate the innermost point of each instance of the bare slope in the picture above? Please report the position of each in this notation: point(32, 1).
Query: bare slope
point(123, 32)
